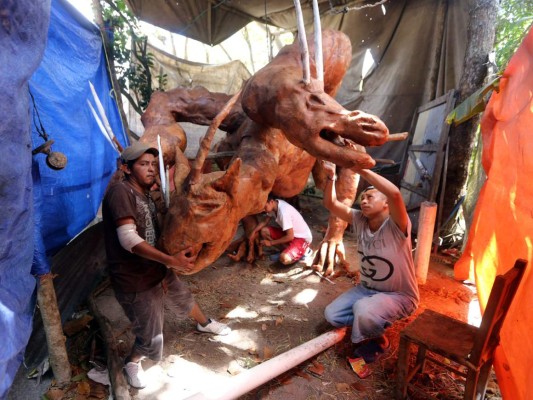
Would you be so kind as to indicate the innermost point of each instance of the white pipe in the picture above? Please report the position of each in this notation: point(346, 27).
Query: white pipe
point(426, 225)
point(319, 57)
point(102, 129)
point(162, 175)
point(102, 112)
point(250, 379)
point(303, 42)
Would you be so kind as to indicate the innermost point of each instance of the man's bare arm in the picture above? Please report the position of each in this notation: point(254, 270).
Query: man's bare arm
point(287, 237)
point(397, 209)
point(180, 262)
point(337, 208)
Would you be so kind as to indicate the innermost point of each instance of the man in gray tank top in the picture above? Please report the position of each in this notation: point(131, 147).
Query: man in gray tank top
point(388, 289)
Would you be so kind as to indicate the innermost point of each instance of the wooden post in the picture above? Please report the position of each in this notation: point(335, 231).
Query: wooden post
point(46, 298)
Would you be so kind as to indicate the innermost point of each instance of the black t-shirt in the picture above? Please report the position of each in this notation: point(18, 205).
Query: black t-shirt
point(130, 272)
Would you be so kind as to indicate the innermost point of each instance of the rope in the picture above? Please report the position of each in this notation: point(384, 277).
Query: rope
point(344, 10)
point(199, 15)
point(39, 128)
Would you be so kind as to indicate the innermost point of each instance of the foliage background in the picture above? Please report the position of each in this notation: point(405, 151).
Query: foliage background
point(514, 21)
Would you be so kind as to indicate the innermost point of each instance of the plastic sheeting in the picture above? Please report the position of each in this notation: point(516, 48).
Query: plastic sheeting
point(502, 228)
point(417, 48)
point(22, 34)
point(74, 56)
point(68, 199)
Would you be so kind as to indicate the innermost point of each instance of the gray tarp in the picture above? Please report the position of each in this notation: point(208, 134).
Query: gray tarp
point(225, 78)
point(418, 47)
point(211, 22)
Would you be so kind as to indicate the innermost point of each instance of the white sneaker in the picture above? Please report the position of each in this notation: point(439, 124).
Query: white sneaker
point(215, 327)
point(135, 375)
point(308, 257)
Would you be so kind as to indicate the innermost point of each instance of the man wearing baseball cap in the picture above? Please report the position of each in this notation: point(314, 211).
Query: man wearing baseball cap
point(141, 275)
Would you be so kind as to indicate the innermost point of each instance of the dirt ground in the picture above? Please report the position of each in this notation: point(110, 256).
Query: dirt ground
point(273, 308)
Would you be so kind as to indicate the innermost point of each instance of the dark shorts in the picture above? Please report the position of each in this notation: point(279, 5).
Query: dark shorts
point(145, 310)
point(296, 247)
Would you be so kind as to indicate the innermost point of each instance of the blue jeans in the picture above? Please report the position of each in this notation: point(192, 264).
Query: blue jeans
point(368, 311)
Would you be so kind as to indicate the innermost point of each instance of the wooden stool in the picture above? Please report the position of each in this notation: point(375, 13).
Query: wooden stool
point(457, 341)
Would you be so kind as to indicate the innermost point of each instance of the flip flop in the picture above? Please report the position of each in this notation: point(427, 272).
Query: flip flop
point(359, 366)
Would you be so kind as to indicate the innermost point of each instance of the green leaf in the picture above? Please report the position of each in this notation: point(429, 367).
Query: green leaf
point(80, 377)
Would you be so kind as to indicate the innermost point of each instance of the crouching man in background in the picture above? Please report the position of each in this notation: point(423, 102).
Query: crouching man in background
point(293, 233)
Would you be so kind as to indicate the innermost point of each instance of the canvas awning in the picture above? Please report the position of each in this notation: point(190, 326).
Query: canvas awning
point(212, 21)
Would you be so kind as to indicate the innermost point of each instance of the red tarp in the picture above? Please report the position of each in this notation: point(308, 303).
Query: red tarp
point(502, 228)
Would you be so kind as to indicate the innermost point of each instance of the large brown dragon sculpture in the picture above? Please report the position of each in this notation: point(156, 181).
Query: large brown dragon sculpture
point(278, 127)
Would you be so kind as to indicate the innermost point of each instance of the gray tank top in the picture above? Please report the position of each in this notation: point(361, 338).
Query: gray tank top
point(385, 257)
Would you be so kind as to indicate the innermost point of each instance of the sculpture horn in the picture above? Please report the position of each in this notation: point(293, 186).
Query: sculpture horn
point(319, 57)
point(303, 43)
point(181, 170)
point(229, 182)
point(205, 145)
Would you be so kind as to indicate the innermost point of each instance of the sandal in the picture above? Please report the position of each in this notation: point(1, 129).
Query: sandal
point(359, 366)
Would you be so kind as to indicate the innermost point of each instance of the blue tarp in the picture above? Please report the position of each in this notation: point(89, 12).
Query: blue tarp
point(65, 200)
point(22, 43)
point(73, 57)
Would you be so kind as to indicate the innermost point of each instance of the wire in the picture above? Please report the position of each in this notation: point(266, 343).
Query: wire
point(344, 10)
point(200, 15)
point(39, 128)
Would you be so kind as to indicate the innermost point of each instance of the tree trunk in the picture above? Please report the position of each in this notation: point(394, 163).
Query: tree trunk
point(481, 34)
point(46, 298)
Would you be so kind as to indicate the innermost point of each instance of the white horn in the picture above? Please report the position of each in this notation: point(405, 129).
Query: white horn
point(319, 57)
point(303, 42)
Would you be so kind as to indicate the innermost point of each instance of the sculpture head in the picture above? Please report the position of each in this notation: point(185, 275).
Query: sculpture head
point(203, 216)
point(310, 118)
